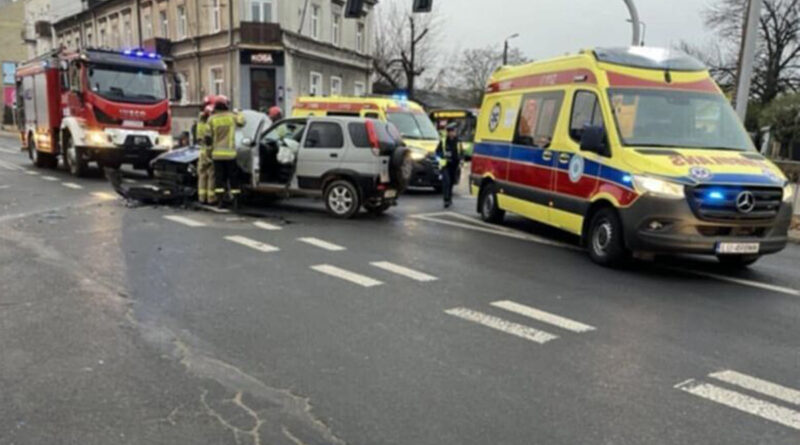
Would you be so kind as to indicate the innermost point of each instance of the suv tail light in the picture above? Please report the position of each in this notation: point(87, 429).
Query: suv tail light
point(372, 135)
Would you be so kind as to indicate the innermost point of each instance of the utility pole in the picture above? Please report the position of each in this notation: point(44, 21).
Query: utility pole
point(505, 47)
point(634, 22)
point(747, 56)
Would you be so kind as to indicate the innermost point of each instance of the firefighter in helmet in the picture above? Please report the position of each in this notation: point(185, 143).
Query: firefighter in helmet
point(205, 166)
point(220, 137)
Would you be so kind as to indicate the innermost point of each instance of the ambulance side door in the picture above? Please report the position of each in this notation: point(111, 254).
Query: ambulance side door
point(575, 180)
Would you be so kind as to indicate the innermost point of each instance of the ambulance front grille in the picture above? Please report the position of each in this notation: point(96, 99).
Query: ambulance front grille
point(719, 203)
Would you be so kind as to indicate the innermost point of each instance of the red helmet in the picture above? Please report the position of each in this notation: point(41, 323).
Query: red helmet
point(221, 100)
point(209, 100)
point(208, 109)
point(274, 112)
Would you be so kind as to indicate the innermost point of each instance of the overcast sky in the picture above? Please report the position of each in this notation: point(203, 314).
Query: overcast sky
point(552, 27)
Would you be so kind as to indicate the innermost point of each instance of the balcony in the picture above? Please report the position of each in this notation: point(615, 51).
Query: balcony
point(258, 33)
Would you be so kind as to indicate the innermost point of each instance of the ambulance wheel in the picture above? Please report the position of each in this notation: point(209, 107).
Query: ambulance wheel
point(73, 157)
point(341, 199)
point(737, 261)
point(606, 243)
point(487, 204)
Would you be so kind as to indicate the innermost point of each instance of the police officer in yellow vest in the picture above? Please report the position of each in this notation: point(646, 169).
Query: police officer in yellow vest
point(205, 166)
point(220, 137)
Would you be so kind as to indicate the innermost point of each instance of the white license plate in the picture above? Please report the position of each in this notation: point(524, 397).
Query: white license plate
point(390, 194)
point(738, 248)
point(136, 124)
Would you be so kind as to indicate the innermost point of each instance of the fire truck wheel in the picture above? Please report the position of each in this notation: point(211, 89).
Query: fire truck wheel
point(73, 157)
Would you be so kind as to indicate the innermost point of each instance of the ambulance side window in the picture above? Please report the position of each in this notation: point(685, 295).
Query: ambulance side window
point(372, 115)
point(585, 111)
point(537, 119)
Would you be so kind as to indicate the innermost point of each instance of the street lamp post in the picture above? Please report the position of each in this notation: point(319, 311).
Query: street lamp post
point(505, 47)
point(644, 31)
point(634, 22)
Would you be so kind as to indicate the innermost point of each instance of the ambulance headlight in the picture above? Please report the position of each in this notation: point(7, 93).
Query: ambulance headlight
point(418, 155)
point(165, 140)
point(96, 137)
point(658, 187)
point(788, 192)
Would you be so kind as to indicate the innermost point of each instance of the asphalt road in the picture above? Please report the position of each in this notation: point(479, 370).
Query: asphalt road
point(140, 324)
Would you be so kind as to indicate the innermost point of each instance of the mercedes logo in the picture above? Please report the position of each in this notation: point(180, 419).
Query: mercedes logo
point(745, 202)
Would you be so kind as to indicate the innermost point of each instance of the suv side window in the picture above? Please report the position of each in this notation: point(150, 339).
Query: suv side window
point(285, 130)
point(537, 119)
point(324, 135)
point(585, 111)
point(358, 134)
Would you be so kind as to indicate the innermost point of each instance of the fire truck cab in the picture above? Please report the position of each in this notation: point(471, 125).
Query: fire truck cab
point(94, 105)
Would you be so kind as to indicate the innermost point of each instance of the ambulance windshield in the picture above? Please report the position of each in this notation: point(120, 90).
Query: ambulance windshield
point(679, 119)
point(140, 85)
point(413, 125)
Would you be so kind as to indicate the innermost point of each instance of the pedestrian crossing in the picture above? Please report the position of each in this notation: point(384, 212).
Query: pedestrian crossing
point(520, 330)
point(767, 400)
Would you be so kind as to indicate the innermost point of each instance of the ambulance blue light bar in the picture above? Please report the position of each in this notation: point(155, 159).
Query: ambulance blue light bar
point(140, 53)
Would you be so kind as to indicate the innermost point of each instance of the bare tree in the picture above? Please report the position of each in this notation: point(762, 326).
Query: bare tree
point(476, 66)
point(405, 44)
point(778, 52)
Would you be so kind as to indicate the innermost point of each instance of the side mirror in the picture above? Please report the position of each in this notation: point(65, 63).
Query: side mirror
point(593, 139)
point(247, 142)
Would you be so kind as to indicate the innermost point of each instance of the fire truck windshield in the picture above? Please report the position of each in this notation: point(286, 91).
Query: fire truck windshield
point(127, 84)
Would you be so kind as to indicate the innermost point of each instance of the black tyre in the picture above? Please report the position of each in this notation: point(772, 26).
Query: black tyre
point(488, 207)
point(377, 209)
point(342, 199)
point(73, 157)
point(400, 168)
point(737, 261)
point(606, 239)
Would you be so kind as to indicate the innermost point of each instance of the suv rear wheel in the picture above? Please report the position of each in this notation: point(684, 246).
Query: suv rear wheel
point(341, 199)
point(401, 167)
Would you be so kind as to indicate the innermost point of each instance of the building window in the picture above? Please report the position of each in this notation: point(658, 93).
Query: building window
point(336, 86)
point(101, 34)
point(216, 16)
point(147, 28)
point(315, 87)
point(261, 11)
point(359, 89)
point(181, 22)
point(336, 27)
point(114, 32)
point(163, 24)
point(315, 21)
point(216, 80)
point(89, 41)
point(182, 80)
point(360, 37)
point(127, 30)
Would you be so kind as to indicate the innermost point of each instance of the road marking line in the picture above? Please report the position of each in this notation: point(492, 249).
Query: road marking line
point(9, 151)
point(104, 195)
point(185, 221)
point(3, 187)
point(495, 230)
point(404, 271)
point(31, 172)
point(10, 166)
point(72, 185)
point(745, 381)
point(546, 317)
point(743, 282)
point(346, 275)
point(213, 208)
point(522, 331)
point(266, 226)
point(49, 178)
point(322, 244)
point(251, 243)
point(745, 403)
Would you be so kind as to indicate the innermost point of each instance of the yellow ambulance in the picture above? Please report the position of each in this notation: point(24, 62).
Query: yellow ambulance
point(635, 150)
point(409, 117)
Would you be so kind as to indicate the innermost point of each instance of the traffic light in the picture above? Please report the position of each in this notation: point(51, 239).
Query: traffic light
point(423, 5)
point(354, 9)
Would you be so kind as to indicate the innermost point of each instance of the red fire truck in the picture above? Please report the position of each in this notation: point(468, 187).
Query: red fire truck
point(93, 105)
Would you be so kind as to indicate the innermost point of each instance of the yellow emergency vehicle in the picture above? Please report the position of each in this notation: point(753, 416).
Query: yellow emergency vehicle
point(409, 117)
point(632, 149)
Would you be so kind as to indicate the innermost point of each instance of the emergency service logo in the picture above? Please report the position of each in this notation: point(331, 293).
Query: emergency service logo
point(494, 117)
point(576, 166)
point(700, 173)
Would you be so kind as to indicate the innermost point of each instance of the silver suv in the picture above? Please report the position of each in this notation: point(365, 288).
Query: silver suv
point(350, 162)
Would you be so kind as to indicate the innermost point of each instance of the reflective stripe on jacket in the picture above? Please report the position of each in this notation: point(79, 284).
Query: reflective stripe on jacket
point(221, 132)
